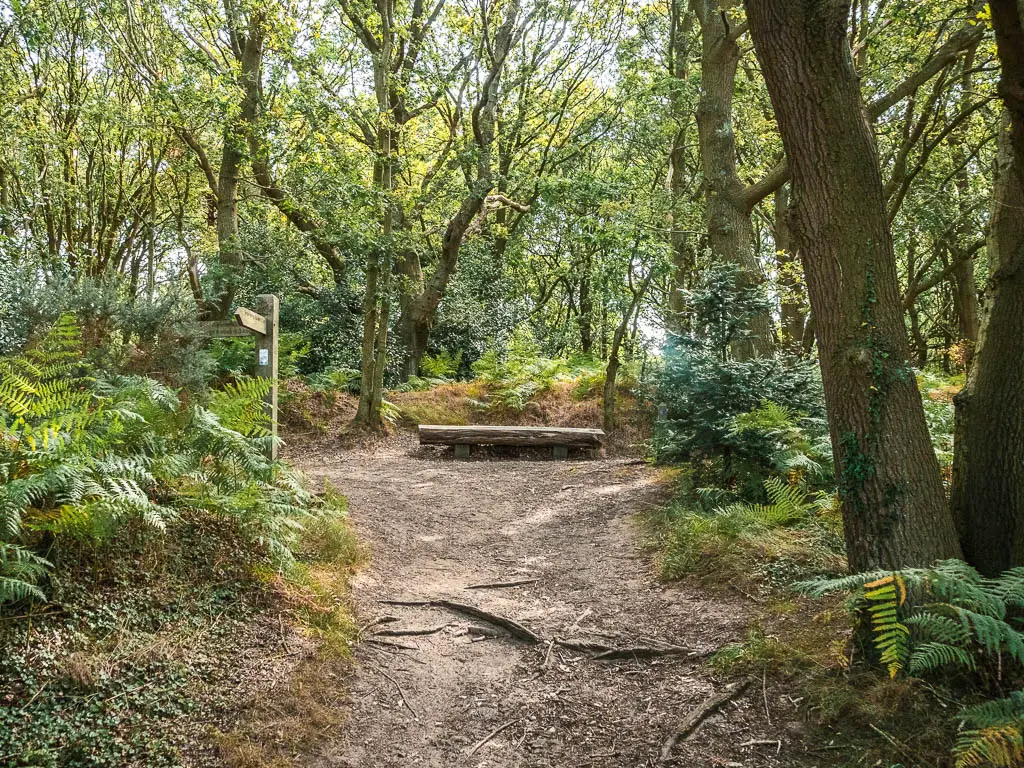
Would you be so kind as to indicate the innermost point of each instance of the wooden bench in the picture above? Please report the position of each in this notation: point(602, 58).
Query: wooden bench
point(561, 439)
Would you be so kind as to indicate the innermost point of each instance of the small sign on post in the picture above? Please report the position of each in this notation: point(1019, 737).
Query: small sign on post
point(264, 326)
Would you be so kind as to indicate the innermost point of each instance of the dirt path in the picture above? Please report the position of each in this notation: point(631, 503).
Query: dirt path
point(436, 526)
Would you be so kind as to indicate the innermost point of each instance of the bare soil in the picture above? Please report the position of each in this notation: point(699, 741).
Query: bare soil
point(436, 526)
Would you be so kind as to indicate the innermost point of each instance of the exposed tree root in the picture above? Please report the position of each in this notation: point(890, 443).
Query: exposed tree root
point(697, 716)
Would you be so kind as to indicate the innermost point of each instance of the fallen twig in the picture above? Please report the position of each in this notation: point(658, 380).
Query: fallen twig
point(377, 622)
point(600, 651)
point(777, 743)
point(503, 584)
point(547, 656)
point(697, 716)
point(400, 693)
point(34, 697)
point(604, 652)
point(392, 645)
point(514, 628)
point(647, 652)
point(491, 735)
point(746, 594)
point(408, 632)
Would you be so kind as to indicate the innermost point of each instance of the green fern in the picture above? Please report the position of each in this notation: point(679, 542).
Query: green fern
point(993, 734)
point(82, 457)
point(953, 616)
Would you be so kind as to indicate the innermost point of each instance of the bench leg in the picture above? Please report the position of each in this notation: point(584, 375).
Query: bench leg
point(461, 451)
point(560, 452)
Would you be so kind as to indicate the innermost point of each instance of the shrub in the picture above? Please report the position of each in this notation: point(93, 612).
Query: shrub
point(443, 365)
point(516, 376)
point(705, 395)
point(705, 390)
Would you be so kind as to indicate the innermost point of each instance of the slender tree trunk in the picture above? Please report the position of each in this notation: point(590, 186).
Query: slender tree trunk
point(793, 316)
point(917, 338)
point(586, 319)
point(611, 370)
point(968, 309)
point(965, 287)
point(248, 44)
point(894, 508)
point(684, 263)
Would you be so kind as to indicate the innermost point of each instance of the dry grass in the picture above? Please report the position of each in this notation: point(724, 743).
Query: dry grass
point(291, 721)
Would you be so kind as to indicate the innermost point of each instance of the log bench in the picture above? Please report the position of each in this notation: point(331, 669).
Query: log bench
point(561, 439)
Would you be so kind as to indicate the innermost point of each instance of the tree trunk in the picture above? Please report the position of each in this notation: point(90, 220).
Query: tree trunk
point(730, 231)
point(420, 306)
point(968, 309)
point(894, 509)
point(586, 317)
point(917, 338)
point(794, 318)
point(965, 287)
point(684, 264)
point(248, 44)
point(988, 468)
point(611, 370)
point(988, 465)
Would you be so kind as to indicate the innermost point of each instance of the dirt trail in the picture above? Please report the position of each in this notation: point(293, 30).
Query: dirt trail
point(436, 526)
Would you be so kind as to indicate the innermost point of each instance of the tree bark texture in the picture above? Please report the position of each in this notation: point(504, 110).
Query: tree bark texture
point(894, 509)
point(988, 467)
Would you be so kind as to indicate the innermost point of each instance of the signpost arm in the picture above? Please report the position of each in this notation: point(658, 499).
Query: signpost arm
point(266, 360)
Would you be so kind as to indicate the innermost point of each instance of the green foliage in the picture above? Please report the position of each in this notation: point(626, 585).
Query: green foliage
point(84, 457)
point(723, 306)
point(792, 524)
point(747, 418)
point(926, 619)
point(516, 376)
point(937, 390)
point(335, 380)
point(784, 442)
point(443, 365)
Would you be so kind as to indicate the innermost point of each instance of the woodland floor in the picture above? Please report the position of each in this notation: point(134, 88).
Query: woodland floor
point(435, 526)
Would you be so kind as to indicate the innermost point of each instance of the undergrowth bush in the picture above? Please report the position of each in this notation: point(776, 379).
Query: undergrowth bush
point(938, 390)
point(793, 533)
point(86, 455)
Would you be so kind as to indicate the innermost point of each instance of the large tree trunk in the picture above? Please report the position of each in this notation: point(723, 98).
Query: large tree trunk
point(988, 469)
point(894, 508)
point(988, 466)
point(730, 231)
point(421, 304)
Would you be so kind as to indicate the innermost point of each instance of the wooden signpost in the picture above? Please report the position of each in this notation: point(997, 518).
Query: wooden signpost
point(262, 324)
